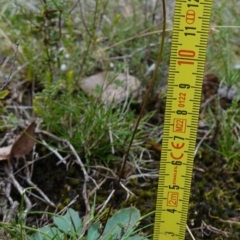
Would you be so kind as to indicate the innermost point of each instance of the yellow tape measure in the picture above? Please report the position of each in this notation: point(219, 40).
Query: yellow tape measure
point(188, 52)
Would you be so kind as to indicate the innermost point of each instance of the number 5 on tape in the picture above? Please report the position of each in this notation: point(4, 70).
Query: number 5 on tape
point(188, 52)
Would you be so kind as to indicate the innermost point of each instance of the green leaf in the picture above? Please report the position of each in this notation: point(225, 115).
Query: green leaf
point(3, 94)
point(74, 216)
point(48, 233)
point(93, 233)
point(122, 222)
point(63, 224)
point(137, 237)
point(70, 223)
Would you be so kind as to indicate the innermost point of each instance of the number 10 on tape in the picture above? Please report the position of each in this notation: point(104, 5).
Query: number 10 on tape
point(188, 52)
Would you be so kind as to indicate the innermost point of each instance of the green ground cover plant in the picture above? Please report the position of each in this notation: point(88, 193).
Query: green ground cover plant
point(48, 47)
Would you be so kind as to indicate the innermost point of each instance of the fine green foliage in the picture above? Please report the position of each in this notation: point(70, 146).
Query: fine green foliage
point(223, 61)
point(87, 128)
point(60, 50)
point(60, 44)
point(227, 129)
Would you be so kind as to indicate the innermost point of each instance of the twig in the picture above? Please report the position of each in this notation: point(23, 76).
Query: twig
point(107, 169)
point(202, 140)
point(80, 163)
point(95, 189)
point(12, 211)
point(47, 200)
point(142, 175)
point(9, 171)
point(8, 188)
point(62, 160)
point(213, 229)
point(204, 105)
point(20, 107)
point(70, 204)
point(127, 190)
point(85, 197)
point(86, 177)
point(111, 139)
point(106, 202)
point(190, 233)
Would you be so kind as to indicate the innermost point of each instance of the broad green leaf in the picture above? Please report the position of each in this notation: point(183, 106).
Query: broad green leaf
point(48, 233)
point(70, 223)
point(93, 233)
point(122, 222)
point(63, 224)
point(74, 216)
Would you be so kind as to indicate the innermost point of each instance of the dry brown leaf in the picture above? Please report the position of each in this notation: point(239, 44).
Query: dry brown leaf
point(115, 87)
point(210, 86)
point(22, 145)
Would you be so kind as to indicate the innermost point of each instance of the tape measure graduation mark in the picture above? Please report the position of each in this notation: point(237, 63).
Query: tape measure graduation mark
point(188, 52)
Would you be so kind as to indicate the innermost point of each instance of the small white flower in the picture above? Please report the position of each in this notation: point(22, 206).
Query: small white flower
point(63, 67)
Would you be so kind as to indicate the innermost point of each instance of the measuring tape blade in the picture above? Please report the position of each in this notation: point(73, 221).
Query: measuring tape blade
point(188, 53)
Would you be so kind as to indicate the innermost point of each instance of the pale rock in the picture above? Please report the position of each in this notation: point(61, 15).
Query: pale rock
point(111, 87)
